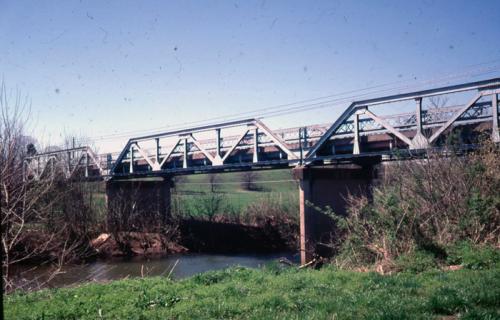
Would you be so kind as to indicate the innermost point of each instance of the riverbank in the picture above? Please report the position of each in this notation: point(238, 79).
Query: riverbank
point(273, 293)
point(194, 235)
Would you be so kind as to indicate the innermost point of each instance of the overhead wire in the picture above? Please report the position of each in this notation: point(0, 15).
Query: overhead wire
point(310, 104)
point(273, 113)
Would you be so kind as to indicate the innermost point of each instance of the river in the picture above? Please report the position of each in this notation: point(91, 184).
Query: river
point(175, 266)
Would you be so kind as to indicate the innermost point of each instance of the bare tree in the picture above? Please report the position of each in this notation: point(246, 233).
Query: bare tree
point(437, 102)
point(210, 204)
point(18, 199)
point(32, 224)
point(248, 179)
point(214, 180)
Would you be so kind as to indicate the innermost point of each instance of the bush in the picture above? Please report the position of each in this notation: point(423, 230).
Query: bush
point(425, 204)
point(473, 257)
point(416, 262)
point(209, 205)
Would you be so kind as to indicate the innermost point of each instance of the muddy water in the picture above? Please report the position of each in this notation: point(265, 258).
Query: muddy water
point(177, 266)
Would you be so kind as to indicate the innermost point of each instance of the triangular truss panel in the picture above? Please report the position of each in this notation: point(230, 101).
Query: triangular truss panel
point(384, 126)
point(64, 164)
point(362, 130)
point(222, 146)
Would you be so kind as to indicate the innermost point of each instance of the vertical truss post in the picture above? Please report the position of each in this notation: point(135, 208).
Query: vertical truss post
point(419, 141)
point(52, 168)
point(256, 145)
point(218, 141)
point(131, 168)
point(157, 150)
point(185, 161)
point(304, 137)
point(300, 146)
point(109, 159)
point(495, 134)
point(86, 164)
point(356, 149)
point(69, 163)
point(419, 115)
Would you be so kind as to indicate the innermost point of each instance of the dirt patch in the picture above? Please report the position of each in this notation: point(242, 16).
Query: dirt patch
point(134, 243)
point(218, 236)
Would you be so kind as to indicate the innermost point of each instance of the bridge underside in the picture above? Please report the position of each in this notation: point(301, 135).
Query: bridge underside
point(143, 204)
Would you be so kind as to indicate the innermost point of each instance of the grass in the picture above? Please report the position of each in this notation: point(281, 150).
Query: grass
point(230, 181)
point(190, 191)
point(273, 293)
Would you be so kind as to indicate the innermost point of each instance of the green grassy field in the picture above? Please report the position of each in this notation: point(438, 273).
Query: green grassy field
point(274, 186)
point(192, 192)
point(272, 293)
point(231, 182)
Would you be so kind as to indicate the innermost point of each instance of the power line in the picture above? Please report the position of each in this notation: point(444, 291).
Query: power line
point(299, 108)
point(305, 105)
point(272, 114)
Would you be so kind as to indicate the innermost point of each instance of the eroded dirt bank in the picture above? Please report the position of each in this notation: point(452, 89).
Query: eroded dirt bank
point(191, 235)
point(200, 236)
point(225, 237)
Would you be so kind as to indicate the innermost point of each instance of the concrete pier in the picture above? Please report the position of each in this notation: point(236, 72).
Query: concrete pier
point(321, 187)
point(138, 204)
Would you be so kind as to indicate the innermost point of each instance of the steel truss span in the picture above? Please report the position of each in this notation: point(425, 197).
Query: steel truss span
point(368, 128)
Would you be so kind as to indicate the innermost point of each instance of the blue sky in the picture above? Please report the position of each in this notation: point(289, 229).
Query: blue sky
point(95, 68)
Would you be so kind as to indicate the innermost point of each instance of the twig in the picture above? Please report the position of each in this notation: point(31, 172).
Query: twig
point(308, 264)
point(172, 270)
point(286, 261)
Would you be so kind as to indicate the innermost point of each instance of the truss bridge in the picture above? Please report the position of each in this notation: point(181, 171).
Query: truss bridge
point(329, 160)
point(249, 144)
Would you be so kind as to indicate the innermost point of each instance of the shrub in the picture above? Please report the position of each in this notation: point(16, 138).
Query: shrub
point(473, 256)
point(209, 204)
point(425, 204)
point(416, 262)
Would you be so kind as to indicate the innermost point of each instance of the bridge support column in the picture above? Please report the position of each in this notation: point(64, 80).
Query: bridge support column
point(419, 141)
point(495, 133)
point(138, 204)
point(320, 187)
